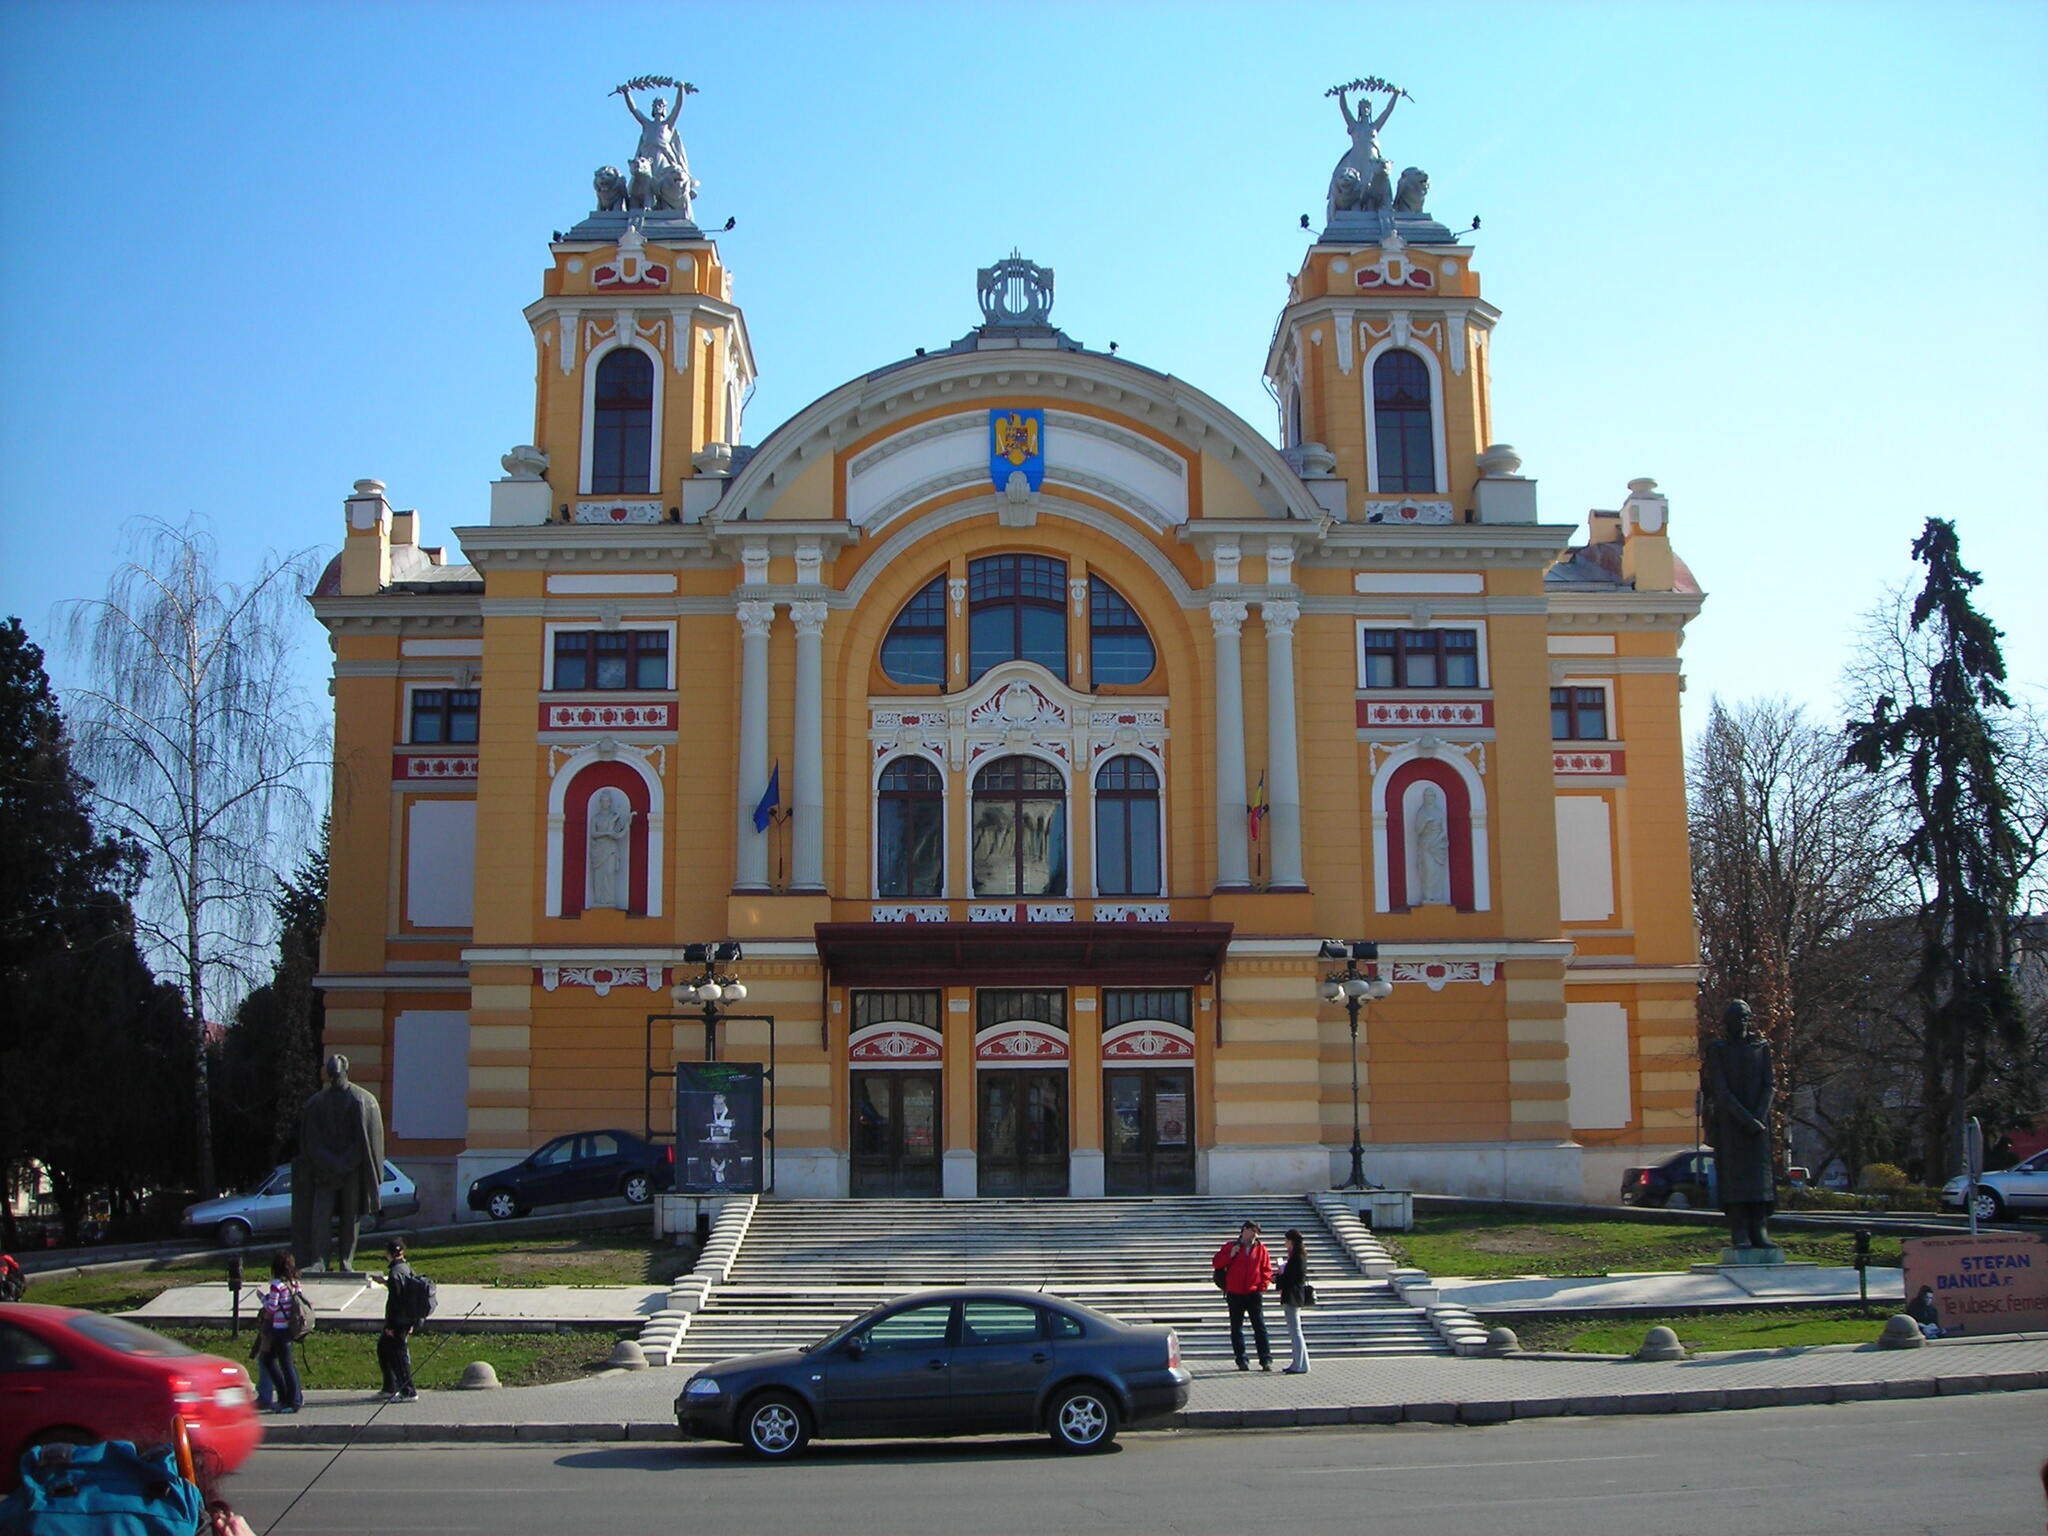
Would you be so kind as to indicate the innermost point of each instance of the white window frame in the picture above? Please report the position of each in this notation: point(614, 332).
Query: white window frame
point(1606, 687)
point(1430, 362)
point(444, 686)
point(1094, 827)
point(924, 754)
point(597, 626)
point(1475, 624)
point(1066, 774)
point(590, 362)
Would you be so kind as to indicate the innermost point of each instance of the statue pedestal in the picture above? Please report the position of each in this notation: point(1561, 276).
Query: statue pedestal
point(1734, 1258)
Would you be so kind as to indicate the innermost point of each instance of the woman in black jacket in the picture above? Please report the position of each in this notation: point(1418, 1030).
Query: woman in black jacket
point(1292, 1284)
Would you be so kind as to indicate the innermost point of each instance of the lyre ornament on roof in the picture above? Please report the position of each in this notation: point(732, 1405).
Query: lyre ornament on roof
point(1015, 292)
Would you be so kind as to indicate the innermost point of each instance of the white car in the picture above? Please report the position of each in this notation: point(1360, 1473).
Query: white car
point(2016, 1191)
point(267, 1209)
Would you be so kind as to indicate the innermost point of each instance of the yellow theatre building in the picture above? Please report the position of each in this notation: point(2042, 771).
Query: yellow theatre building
point(1028, 719)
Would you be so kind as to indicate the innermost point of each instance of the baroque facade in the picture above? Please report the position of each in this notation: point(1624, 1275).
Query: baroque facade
point(1027, 717)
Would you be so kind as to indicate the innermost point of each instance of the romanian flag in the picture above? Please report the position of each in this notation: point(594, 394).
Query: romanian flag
point(1257, 809)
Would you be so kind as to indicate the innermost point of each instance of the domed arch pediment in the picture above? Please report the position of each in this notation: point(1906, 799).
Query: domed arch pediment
point(1124, 433)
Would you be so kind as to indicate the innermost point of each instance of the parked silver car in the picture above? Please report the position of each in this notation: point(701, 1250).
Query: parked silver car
point(2021, 1190)
point(266, 1210)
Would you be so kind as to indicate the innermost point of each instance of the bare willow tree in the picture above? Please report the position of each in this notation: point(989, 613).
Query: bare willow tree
point(203, 746)
point(1791, 863)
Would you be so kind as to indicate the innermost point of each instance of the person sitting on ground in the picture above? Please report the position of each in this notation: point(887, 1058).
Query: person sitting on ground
point(1924, 1312)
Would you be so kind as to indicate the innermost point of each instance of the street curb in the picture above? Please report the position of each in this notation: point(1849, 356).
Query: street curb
point(1476, 1411)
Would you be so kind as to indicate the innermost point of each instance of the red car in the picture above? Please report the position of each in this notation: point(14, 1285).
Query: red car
point(85, 1377)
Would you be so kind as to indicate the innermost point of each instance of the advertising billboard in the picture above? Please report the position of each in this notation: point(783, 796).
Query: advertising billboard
point(718, 1127)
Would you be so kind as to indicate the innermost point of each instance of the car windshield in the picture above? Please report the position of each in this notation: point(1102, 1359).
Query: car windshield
point(127, 1338)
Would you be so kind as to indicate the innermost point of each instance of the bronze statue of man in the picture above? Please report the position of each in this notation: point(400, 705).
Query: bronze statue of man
point(1742, 1085)
point(340, 1164)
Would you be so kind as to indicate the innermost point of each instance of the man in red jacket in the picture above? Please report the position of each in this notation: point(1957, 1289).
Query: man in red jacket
point(1247, 1269)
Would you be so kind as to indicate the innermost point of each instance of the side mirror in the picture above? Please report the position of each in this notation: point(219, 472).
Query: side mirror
point(855, 1348)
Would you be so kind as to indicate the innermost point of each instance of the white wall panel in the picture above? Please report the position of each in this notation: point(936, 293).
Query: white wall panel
point(430, 1075)
point(440, 864)
point(1585, 859)
point(1596, 1066)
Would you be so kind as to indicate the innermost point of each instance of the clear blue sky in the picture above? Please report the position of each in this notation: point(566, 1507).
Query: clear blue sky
point(1786, 259)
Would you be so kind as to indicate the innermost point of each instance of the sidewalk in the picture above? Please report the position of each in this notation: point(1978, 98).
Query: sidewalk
point(350, 1301)
point(639, 1405)
point(1762, 1285)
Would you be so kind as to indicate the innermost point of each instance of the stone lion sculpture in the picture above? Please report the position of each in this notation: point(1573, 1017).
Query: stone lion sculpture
point(1408, 198)
point(1353, 193)
point(611, 189)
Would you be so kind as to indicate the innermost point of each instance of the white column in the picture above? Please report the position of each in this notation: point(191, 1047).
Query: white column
point(807, 862)
point(1283, 761)
point(1233, 857)
point(750, 866)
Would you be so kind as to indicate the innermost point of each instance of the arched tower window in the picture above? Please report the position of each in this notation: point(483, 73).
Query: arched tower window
point(622, 428)
point(1119, 649)
point(1127, 828)
point(910, 837)
point(1404, 439)
point(1020, 829)
point(914, 650)
point(1016, 611)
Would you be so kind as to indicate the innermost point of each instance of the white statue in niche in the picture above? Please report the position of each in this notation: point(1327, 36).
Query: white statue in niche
point(606, 850)
point(1429, 851)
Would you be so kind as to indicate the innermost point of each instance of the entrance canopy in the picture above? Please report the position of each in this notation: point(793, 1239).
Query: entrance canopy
point(1023, 954)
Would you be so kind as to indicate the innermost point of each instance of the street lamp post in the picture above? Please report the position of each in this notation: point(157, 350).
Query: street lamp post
point(1352, 987)
point(713, 986)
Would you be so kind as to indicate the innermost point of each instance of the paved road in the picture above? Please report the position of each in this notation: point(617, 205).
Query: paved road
point(1956, 1466)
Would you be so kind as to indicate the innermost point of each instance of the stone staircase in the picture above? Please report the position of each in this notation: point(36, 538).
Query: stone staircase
point(781, 1273)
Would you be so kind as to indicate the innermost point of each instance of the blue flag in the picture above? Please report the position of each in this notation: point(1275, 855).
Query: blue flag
point(771, 799)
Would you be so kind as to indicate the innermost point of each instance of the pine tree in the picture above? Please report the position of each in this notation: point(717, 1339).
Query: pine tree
point(1937, 741)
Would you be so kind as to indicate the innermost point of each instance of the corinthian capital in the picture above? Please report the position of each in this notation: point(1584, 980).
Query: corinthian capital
point(1227, 616)
point(1280, 616)
point(755, 618)
point(809, 618)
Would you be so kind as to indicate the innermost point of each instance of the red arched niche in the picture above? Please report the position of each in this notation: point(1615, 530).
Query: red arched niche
point(575, 830)
point(1458, 819)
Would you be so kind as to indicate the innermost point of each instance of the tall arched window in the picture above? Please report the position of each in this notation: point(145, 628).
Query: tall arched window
point(1404, 441)
point(914, 650)
point(910, 837)
point(1020, 829)
point(1127, 828)
point(1119, 649)
point(622, 428)
point(1016, 611)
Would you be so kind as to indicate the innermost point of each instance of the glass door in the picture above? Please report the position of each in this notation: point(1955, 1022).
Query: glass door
point(895, 1133)
point(1148, 1143)
point(1022, 1148)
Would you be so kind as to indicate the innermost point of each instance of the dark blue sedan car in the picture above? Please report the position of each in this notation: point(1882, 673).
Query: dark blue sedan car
point(946, 1362)
point(586, 1165)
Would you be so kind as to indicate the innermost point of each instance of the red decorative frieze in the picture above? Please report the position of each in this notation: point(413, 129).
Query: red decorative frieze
point(600, 978)
point(1423, 714)
point(896, 1045)
point(1133, 912)
point(630, 274)
point(1574, 763)
point(909, 912)
point(1019, 1045)
point(1437, 974)
point(1148, 1040)
point(421, 767)
point(607, 717)
point(1421, 279)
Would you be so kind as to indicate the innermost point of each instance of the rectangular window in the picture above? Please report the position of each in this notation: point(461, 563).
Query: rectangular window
point(1168, 1005)
point(896, 1008)
point(1421, 658)
point(443, 715)
point(621, 659)
point(1578, 714)
point(1003, 1005)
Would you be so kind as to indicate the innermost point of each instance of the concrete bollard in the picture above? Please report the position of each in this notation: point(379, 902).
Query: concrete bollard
point(1502, 1341)
point(1901, 1332)
point(478, 1376)
point(1660, 1343)
point(627, 1356)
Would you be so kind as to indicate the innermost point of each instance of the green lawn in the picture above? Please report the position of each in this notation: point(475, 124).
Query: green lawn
point(1501, 1243)
point(596, 1258)
point(349, 1360)
point(1761, 1329)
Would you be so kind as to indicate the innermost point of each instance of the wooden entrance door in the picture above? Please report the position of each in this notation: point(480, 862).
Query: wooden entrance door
point(1148, 1139)
point(895, 1133)
point(1022, 1146)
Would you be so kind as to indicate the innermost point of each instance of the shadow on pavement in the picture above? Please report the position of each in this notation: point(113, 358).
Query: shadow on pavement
point(826, 1453)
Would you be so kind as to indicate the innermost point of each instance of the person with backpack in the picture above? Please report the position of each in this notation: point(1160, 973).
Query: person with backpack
point(282, 1322)
point(403, 1289)
point(1244, 1268)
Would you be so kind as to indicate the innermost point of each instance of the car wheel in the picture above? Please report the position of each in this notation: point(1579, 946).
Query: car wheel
point(638, 1188)
point(1986, 1205)
point(1677, 1202)
point(1083, 1419)
point(232, 1234)
point(503, 1205)
point(776, 1426)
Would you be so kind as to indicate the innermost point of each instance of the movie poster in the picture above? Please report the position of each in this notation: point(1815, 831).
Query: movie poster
point(718, 1127)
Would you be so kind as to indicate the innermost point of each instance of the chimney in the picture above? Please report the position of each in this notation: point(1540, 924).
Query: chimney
point(1646, 560)
point(366, 552)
